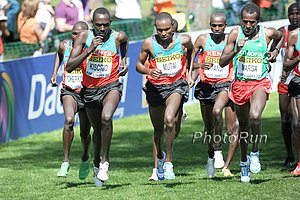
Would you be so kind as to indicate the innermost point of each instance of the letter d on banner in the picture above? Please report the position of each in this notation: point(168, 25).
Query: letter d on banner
point(37, 78)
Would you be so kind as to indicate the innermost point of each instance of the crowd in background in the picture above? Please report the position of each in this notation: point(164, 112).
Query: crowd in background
point(35, 21)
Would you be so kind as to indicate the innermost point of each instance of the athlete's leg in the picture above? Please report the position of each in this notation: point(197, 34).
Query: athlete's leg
point(257, 105)
point(295, 103)
point(220, 102)
point(173, 105)
point(70, 108)
point(242, 113)
point(110, 104)
point(286, 123)
point(232, 125)
point(157, 119)
point(206, 112)
point(85, 127)
point(94, 116)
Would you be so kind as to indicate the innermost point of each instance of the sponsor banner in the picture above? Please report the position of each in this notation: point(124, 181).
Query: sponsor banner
point(29, 105)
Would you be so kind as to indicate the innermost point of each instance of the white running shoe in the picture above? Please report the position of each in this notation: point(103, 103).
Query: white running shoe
point(245, 171)
point(211, 171)
point(219, 161)
point(168, 171)
point(97, 181)
point(255, 166)
point(160, 167)
point(153, 177)
point(103, 171)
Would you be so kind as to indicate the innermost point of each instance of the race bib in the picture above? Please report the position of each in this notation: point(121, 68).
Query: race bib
point(99, 66)
point(169, 65)
point(73, 79)
point(216, 71)
point(249, 68)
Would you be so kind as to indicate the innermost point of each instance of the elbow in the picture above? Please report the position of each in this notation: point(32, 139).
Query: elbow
point(68, 68)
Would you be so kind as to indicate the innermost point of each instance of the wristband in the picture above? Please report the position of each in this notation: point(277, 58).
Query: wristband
point(278, 50)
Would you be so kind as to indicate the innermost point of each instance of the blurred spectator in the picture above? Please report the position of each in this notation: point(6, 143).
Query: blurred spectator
point(232, 10)
point(90, 6)
point(29, 28)
point(10, 8)
point(128, 9)
point(271, 9)
point(45, 13)
point(66, 14)
point(164, 6)
point(3, 32)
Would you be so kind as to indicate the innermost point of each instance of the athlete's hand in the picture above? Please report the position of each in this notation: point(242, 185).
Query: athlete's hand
point(95, 42)
point(190, 81)
point(53, 81)
point(272, 56)
point(155, 73)
point(206, 65)
point(284, 76)
point(124, 70)
point(241, 43)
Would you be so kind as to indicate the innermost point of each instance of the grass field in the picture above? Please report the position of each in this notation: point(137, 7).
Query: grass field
point(28, 166)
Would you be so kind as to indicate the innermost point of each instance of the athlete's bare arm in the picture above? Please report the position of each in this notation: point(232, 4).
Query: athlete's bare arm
point(59, 55)
point(77, 56)
point(290, 62)
point(229, 51)
point(193, 71)
point(123, 43)
point(147, 51)
point(186, 41)
point(278, 38)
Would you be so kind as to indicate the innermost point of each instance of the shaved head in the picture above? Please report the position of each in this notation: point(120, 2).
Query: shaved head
point(101, 10)
point(220, 15)
point(163, 16)
point(81, 25)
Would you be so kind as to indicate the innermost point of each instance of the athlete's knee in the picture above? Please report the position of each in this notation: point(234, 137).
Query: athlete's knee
point(233, 128)
point(106, 118)
point(69, 123)
point(217, 112)
point(296, 126)
point(255, 118)
point(169, 121)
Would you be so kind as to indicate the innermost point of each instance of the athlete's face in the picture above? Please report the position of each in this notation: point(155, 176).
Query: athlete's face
point(249, 23)
point(101, 24)
point(294, 16)
point(76, 30)
point(164, 29)
point(217, 25)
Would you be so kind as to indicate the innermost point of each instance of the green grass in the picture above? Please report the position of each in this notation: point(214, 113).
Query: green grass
point(29, 165)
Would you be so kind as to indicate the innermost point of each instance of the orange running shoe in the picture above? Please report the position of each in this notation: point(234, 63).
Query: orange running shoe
point(296, 171)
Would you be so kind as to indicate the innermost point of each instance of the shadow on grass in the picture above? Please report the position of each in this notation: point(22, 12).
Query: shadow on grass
point(132, 150)
point(168, 183)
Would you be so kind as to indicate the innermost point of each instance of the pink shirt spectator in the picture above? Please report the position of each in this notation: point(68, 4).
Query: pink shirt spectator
point(66, 14)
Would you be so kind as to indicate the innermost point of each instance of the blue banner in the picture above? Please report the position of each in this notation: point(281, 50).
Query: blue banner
point(28, 103)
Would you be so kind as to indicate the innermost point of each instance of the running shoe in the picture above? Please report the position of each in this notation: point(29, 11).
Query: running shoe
point(289, 163)
point(160, 167)
point(219, 161)
point(97, 181)
point(211, 171)
point(255, 166)
point(153, 177)
point(245, 171)
point(84, 169)
point(296, 171)
point(168, 171)
point(226, 172)
point(64, 169)
point(103, 171)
